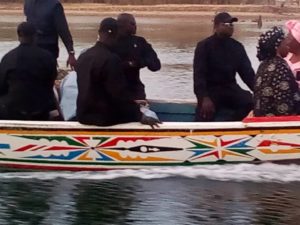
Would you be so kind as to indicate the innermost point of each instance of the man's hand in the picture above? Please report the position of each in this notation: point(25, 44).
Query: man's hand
point(250, 114)
point(142, 102)
point(147, 120)
point(207, 109)
point(71, 61)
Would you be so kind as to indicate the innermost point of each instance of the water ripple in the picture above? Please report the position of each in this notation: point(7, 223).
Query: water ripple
point(238, 173)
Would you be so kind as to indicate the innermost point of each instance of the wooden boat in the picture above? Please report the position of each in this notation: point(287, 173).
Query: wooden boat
point(75, 147)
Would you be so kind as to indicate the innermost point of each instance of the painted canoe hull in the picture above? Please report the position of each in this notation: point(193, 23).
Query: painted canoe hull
point(74, 147)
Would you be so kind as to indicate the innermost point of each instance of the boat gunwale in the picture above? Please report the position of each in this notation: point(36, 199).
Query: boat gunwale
point(166, 126)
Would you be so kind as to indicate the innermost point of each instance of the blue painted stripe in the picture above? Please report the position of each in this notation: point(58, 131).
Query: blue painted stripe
point(4, 146)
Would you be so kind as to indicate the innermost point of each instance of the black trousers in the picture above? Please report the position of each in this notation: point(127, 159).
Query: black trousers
point(232, 103)
point(9, 113)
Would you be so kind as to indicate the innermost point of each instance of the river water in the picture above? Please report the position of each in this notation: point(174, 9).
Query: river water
point(233, 194)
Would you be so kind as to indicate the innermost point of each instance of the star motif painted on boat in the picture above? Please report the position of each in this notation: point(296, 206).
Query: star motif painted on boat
point(220, 148)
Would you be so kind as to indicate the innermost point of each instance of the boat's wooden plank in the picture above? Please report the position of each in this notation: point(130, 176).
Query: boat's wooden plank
point(129, 126)
point(54, 125)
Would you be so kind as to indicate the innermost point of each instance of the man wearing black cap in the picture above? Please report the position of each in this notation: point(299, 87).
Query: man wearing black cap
point(27, 75)
point(103, 95)
point(217, 60)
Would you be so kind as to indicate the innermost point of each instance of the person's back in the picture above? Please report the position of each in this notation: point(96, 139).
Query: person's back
point(27, 75)
point(135, 53)
point(40, 14)
point(103, 98)
point(49, 19)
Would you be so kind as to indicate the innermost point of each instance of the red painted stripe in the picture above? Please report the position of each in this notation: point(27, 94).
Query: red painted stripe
point(82, 139)
point(225, 143)
point(272, 119)
point(59, 148)
point(114, 142)
point(268, 143)
point(38, 148)
point(22, 149)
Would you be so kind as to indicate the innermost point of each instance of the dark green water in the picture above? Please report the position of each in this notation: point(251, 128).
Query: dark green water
point(136, 201)
point(232, 194)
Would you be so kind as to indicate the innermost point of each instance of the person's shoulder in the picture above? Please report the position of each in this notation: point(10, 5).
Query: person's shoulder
point(139, 38)
point(236, 43)
point(281, 62)
point(58, 6)
point(87, 53)
point(10, 53)
point(204, 42)
point(56, 2)
point(275, 64)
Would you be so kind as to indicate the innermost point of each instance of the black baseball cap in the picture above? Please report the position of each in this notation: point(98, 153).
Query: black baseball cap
point(224, 17)
point(108, 25)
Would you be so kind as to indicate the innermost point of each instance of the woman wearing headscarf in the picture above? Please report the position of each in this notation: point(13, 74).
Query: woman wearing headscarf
point(293, 40)
point(276, 92)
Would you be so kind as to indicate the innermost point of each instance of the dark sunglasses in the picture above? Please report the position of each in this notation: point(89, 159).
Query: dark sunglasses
point(228, 24)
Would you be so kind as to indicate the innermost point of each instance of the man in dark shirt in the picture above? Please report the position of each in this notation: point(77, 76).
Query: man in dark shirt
point(27, 75)
point(49, 19)
point(217, 60)
point(103, 95)
point(135, 53)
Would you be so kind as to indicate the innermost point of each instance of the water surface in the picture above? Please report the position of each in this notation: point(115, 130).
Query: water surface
point(233, 194)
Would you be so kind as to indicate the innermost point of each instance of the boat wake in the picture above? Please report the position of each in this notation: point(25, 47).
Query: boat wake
point(240, 172)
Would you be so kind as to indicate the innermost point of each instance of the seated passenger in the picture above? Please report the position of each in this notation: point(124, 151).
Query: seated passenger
point(27, 75)
point(217, 59)
point(135, 53)
point(293, 40)
point(103, 95)
point(276, 91)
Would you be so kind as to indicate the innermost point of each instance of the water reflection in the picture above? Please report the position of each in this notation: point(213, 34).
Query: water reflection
point(173, 37)
point(23, 203)
point(135, 201)
point(104, 202)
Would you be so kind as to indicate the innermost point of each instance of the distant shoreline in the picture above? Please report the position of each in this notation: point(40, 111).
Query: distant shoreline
point(244, 12)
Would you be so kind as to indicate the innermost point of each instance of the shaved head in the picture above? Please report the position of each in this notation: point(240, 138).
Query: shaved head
point(127, 24)
point(123, 17)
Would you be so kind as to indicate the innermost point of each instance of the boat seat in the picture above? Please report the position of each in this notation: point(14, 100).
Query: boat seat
point(182, 111)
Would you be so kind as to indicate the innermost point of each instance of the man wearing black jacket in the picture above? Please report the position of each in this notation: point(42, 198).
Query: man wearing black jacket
point(27, 75)
point(50, 22)
point(217, 60)
point(135, 53)
point(103, 95)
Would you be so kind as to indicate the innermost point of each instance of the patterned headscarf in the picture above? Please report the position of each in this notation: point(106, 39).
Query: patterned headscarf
point(268, 43)
point(294, 28)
